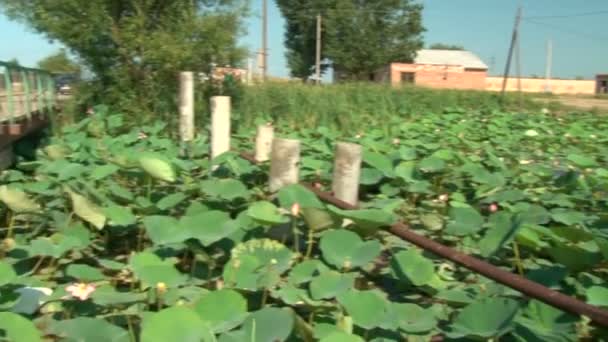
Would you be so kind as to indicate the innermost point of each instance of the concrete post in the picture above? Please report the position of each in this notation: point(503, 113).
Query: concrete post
point(220, 125)
point(186, 106)
point(284, 163)
point(347, 172)
point(263, 142)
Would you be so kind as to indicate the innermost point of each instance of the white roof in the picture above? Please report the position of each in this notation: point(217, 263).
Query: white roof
point(464, 58)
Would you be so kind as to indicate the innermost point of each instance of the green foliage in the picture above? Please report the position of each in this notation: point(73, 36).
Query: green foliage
point(358, 37)
point(178, 250)
point(441, 46)
point(135, 49)
point(353, 108)
point(59, 63)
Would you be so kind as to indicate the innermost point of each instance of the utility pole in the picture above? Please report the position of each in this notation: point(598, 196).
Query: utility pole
point(518, 69)
point(549, 66)
point(264, 39)
point(514, 39)
point(318, 56)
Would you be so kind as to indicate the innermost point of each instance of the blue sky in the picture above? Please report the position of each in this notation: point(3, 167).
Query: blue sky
point(482, 26)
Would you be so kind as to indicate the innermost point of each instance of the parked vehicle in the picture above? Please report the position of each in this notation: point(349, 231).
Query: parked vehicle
point(64, 83)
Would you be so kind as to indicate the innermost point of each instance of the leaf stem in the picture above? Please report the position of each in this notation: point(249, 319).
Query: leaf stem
point(264, 298)
point(296, 239)
point(310, 243)
point(11, 223)
point(518, 263)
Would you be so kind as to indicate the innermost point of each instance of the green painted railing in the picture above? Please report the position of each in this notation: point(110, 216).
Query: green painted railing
point(24, 91)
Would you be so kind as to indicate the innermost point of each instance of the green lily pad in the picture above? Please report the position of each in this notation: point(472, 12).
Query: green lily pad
point(582, 161)
point(208, 227)
point(432, 222)
point(296, 193)
point(89, 329)
point(266, 213)
point(413, 266)
point(222, 310)
point(106, 295)
point(175, 324)
point(228, 189)
point(597, 295)
point(410, 318)
point(367, 308)
point(84, 273)
point(318, 219)
point(119, 216)
point(269, 325)
point(366, 221)
point(157, 167)
point(487, 318)
point(164, 230)
point(17, 200)
point(104, 171)
point(345, 249)
point(87, 210)
point(341, 337)
point(464, 221)
point(151, 270)
point(18, 329)
point(258, 264)
point(170, 201)
point(379, 162)
point(7, 273)
point(503, 228)
point(305, 271)
point(330, 284)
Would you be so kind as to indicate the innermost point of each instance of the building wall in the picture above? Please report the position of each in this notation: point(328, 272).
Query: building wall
point(439, 76)
point(538, 85)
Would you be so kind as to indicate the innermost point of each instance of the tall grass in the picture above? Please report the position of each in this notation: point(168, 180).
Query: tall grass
point(354, 107)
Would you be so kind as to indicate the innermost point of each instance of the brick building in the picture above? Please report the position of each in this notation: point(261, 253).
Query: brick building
point(454, 69)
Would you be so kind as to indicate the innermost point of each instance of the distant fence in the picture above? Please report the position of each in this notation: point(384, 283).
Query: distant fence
point(541, 85)
point(24, 92)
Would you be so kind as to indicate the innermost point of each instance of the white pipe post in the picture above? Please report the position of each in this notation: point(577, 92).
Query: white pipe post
point(284, 163)
point(263, 142)
point(347, 172)
point(220, 125)
point(186, 106)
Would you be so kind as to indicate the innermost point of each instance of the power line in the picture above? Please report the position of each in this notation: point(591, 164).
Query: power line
point(574, 15)
point(572, 32)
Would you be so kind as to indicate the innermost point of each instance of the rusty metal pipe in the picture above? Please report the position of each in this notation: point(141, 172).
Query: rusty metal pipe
point(512, 280)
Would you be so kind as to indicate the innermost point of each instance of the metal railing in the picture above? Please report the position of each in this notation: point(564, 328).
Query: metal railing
point(24, 92)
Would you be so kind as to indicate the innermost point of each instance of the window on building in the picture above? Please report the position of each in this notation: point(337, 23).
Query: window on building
point(408, 77)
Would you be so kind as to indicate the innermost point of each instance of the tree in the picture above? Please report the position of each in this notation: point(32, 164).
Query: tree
point(14, 62)
point(359, 37)
point(59, 63)
point(441, 46)
point(136, 48)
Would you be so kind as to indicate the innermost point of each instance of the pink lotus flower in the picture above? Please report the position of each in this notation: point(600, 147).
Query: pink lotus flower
point(82, 291)
point(493, 207)
point(295, 209)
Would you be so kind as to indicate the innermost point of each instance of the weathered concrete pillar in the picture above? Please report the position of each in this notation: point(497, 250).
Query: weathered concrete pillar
point(186, 106)
point(347, 172)
point(284, 163)
point(220, 125)
point(263, 142)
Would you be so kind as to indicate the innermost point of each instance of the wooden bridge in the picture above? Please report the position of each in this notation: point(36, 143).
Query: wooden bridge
point(27, 99)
